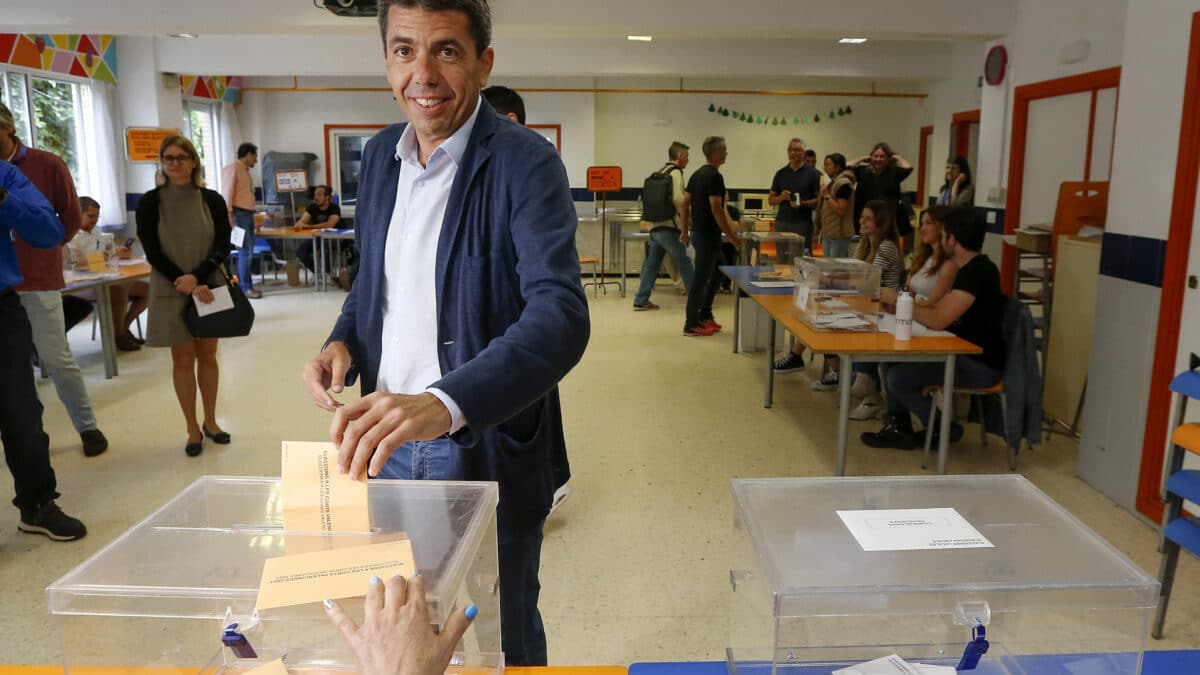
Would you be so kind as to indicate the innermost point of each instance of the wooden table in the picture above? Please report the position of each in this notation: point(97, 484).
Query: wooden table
point(327, 238)
point(83, 281)
point(849, 346)
point(286, 233)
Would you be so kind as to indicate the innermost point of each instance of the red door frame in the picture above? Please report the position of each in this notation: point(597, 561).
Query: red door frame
point(923, 164)
point(961, 122)
point(1170, 311)
point(1022, 97)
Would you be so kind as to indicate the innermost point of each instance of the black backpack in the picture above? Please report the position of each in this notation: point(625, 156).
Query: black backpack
point(658, 198)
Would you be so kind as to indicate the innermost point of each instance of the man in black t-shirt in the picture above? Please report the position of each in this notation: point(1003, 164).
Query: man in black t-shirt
point(974, 311)
point(795, 191)
point(703, 220)
point(321, 212)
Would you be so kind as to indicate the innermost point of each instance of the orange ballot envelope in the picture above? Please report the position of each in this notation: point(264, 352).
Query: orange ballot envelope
point(338, 573)
point(316, 497)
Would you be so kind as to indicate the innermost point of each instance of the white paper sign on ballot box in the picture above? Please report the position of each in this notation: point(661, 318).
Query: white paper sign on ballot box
point(912, 529)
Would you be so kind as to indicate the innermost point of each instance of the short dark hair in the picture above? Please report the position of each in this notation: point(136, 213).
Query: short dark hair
point(328, 192)
point(505, 101)
point(967, 226)
point(86, 203)
point(838, 159)
point(810, 153)
point(675, 149)
point(247, 149)
point(479, 17)
point(711, 144)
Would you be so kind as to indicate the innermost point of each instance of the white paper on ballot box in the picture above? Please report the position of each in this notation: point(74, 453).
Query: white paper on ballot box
point(912, 529)
point(894, 665)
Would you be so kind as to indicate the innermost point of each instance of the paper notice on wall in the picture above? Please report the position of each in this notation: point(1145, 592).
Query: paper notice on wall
point(334, 574)
point(912, 529)
point(316, 496)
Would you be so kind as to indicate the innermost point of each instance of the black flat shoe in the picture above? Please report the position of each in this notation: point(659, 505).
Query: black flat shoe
point(220, 438)
point(193, 449)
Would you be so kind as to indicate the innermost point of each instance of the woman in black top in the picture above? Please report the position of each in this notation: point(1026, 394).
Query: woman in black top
point(879, 176)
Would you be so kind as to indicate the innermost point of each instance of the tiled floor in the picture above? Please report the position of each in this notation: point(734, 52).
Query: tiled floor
point(635, 564)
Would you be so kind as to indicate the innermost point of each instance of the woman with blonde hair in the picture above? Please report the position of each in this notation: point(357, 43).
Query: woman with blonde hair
point(184, 228)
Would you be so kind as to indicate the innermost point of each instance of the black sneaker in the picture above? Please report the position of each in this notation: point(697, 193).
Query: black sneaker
point(645, 306)
point(896, 433)
point(828, 382)
point(789, 363)
point(50, 520)
point(94, 442)
point(956, 433)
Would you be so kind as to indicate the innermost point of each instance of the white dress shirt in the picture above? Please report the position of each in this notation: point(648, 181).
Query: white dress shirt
point(409, 362)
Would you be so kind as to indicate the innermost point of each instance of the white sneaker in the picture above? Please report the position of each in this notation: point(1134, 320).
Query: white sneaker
point(869, 408)
point(864, 385)
point(561, 495)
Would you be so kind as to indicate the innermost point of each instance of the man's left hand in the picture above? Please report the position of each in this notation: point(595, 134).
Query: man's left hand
point(368, 430)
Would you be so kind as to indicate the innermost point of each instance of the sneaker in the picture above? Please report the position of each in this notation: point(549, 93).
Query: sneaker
point(49, 520)
point(896, 433)
point(698, 331)
point(868, 409)
point(789, 363)
point(828, 381)
point(712, 323)
point(127, 343)
point(956, 433)
point(644, 306)
point(561, 495)
point(864, 385)
point(94, 442)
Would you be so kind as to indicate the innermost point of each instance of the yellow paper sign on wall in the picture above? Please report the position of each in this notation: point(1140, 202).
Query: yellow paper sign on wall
point(96, 262)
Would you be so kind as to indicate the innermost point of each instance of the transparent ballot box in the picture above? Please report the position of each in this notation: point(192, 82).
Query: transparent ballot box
point(161, 594)
point(774, 253)
point(837, 294)
point(808, 597)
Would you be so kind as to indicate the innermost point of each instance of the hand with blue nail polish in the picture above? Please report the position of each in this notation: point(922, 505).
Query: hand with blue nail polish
point(396, 637)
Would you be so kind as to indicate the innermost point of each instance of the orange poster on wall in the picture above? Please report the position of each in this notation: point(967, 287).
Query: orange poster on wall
point(603, 178)
point(141, 145)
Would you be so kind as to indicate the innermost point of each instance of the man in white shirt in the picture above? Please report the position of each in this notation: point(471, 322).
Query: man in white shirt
point(468, 308)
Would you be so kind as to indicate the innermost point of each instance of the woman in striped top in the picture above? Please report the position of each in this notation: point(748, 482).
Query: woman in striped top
point(880, 246)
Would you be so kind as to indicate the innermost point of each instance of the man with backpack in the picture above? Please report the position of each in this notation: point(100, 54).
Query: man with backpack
point(662, 202)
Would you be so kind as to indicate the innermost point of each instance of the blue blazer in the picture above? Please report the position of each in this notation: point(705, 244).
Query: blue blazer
point(512, 313)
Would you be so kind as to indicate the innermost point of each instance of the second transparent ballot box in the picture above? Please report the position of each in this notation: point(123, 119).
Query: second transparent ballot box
point(810, 596)
point(162, 593)
point(837, 294)
point(774, 253)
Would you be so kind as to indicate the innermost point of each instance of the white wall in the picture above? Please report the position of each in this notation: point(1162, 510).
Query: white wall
point(634, 130)
point(959, 93)
point(144, 101)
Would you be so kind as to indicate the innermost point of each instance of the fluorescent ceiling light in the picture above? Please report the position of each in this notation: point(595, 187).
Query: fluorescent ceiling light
point(183, 35)
point(640, 38)
point(852, 41)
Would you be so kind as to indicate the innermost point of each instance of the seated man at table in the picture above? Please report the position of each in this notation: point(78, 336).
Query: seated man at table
point(321, 212)
point(86, 241)
point(974, 311)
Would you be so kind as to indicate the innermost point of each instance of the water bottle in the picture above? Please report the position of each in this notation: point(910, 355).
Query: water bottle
point(904, 316)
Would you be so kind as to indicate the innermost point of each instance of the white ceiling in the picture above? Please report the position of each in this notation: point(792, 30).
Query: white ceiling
point(556, 37)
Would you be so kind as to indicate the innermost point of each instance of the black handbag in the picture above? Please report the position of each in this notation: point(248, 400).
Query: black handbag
point(235, 322)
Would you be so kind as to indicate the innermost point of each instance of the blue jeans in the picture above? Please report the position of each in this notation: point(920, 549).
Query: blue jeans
point(904, 382)
point(663, 241)
point(836, 248)
point(245, 220)
point(438, 459)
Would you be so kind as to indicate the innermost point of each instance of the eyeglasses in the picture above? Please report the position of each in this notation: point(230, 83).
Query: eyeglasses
point(176, 159)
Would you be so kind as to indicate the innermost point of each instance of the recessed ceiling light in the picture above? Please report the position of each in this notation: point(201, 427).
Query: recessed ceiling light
point(183, 35)
point(852, 41)
point(640, 38)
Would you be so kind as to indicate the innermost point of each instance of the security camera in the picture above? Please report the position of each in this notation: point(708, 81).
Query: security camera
point(354, 8)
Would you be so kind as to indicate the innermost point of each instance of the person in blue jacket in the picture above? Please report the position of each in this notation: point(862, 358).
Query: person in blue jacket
point(25, 211)
point(468, 308)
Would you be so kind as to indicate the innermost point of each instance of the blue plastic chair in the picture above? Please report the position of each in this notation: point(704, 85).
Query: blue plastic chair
point(1179, 532)
point(261, 249)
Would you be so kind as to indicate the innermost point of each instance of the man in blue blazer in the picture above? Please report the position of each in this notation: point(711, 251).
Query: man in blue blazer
point(468, 308)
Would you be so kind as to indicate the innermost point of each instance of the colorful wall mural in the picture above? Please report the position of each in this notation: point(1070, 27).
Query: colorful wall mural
point(213, 87)
point(91, 56)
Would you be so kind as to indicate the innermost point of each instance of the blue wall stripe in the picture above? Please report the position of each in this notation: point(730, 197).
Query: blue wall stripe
point(1133, 258)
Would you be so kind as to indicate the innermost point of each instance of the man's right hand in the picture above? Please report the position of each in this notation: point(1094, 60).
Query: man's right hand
point(327, 372)
point(684, 237)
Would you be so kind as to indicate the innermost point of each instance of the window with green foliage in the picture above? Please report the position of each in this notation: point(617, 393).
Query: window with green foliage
point(200, 126)
point(49, 116)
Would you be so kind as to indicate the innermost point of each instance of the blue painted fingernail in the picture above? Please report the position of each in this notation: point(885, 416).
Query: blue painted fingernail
point(415, 575)
point(470, 612)
point(375, 580)
point(328, 604)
